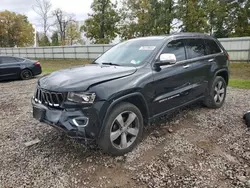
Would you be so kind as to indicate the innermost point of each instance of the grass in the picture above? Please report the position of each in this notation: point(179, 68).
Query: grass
point(243, 84)
point(54, 65)
point(239, 72)
point(240, 75)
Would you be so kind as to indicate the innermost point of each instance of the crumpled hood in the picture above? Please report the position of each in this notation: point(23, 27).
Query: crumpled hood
point(81, 78)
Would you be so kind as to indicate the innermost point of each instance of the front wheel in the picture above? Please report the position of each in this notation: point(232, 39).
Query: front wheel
point(217, 93)
point(123, 130)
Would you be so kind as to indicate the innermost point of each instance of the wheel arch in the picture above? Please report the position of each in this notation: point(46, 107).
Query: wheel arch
point(136, 99)
point(25, 68)
point(224, 74)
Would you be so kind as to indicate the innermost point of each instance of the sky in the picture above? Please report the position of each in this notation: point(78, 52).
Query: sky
point(80, 8)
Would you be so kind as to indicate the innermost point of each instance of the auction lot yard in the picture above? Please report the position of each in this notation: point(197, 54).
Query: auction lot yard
point(195, 147)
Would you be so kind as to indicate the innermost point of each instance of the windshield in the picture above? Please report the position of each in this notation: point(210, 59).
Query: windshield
point(130, 53)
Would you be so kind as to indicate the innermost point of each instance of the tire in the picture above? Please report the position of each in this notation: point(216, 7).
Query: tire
point(246, 117)
point(26, 74)
point(216, 93)
point(118, 130)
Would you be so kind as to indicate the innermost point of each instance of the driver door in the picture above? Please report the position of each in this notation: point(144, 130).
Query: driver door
point(172, 83)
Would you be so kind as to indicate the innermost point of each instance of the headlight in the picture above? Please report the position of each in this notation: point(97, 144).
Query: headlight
point(81, 97)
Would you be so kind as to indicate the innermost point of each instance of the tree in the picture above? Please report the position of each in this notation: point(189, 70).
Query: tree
point(43, 9)
point(241, 12)
point(55, 40)
point(101, 26)
point(146, 17)
point(135, 19)
point(228, 18)
point(73, 35)
point(167, 15)
point(43, 40)
point(62, 21)
point(192, 16)
point(15, 30)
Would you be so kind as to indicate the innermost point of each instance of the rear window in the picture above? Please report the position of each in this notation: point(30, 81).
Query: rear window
point(195, 48)
point(212, 47)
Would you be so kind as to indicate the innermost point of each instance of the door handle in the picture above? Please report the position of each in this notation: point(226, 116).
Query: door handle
point(210, 60)
point(186, 66)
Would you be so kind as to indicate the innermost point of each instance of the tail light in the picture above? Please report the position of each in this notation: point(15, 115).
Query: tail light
point(228, 57)
point(37, 64)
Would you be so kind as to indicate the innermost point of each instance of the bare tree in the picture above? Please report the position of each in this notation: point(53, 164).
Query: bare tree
point(43, 8)
point(63, 19)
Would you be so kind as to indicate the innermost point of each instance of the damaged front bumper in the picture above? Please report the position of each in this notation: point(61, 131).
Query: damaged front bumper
point(79, 123)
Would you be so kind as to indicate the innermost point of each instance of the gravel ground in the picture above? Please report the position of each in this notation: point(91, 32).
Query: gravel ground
point(195, 147)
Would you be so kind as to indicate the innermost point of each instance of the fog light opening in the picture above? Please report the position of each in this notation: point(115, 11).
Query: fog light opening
point(80, 122)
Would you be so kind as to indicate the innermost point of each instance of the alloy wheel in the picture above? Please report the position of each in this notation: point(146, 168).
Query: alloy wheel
point(26, 74)
point(124, 130)
point(219, 92)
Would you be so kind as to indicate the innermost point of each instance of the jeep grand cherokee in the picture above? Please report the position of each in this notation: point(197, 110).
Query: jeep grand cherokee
point(131, 84)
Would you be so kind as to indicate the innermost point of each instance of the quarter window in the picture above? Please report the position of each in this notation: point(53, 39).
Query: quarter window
point(212, 47)
point(177, 48)
point(195, 48)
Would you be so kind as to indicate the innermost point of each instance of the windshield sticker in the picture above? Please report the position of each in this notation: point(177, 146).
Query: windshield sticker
point(147, 48)
point(133, 62)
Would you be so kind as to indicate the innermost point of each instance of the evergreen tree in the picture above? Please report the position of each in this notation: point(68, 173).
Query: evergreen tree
point(102, 25)
point(54, 38)
point(192, 16)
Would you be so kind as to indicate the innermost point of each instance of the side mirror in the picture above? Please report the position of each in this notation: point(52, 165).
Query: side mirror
point(166, 59)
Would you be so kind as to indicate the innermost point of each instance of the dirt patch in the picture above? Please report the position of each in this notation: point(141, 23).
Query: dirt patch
point(195, 147)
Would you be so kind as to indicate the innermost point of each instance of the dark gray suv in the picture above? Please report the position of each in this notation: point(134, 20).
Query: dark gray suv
point(136, 81)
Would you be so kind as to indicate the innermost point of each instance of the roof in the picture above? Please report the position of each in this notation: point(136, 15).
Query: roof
point(162, 37)
point(150, 38)
point(188, 34)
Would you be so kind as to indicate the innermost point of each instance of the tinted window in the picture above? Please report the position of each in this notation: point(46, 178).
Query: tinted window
point(195, 48)
point(176, 47)
point(8, 59)
point(212, 47)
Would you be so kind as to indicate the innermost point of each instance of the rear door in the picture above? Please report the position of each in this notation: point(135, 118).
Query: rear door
point(9, 67)
point(200, 65)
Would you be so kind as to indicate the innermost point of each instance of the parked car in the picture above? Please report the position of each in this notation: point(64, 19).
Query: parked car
point(136, 81)
point(18, 68)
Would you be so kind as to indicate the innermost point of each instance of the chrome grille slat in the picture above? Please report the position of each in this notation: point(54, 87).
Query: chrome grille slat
point(49, 98)
point(39, 97)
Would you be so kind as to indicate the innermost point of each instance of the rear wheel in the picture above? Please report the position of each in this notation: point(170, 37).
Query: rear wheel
point(217, 93)
point(26, 74)
point(123, 130)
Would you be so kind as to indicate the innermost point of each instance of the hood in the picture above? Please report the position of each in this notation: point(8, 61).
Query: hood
point(81, 78)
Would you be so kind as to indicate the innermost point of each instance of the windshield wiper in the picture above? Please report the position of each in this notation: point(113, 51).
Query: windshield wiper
point(111, 64)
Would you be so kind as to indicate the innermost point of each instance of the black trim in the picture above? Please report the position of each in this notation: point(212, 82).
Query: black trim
point(173, 93)
point(173, 109)
point(222, 70)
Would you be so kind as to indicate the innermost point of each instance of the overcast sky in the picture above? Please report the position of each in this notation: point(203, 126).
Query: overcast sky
point(78, 7)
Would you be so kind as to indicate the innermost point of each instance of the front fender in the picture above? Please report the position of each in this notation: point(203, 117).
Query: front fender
point(117, 101)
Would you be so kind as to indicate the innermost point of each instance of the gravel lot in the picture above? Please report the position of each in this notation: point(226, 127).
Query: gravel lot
point(196, 147)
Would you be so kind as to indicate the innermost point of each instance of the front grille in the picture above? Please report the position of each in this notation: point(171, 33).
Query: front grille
point(53, 99)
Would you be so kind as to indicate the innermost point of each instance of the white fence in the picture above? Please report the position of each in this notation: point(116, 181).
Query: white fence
point(238, 49)
point(58, 52)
